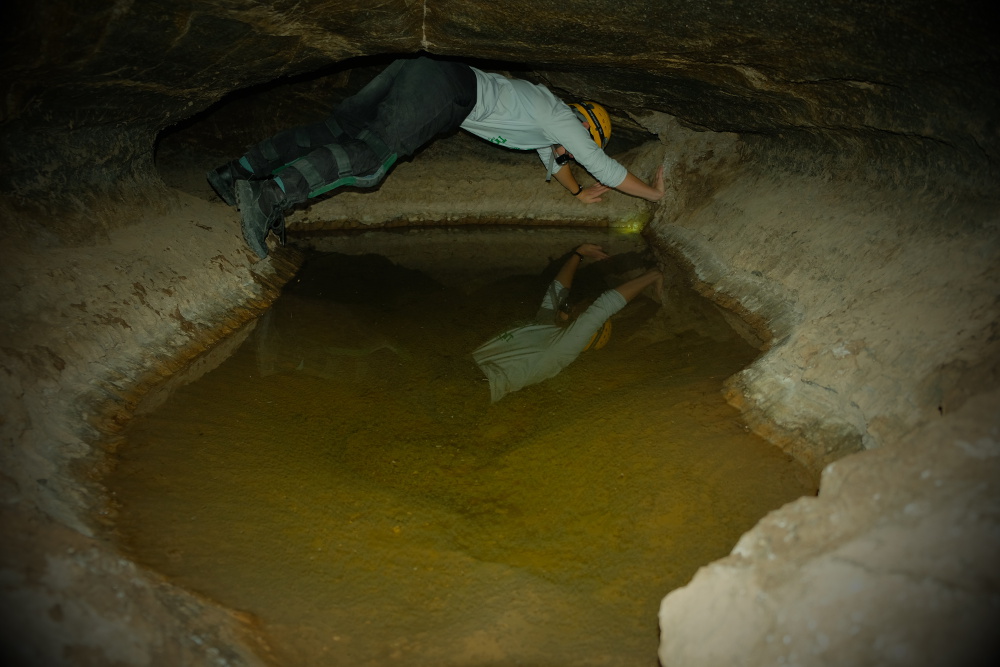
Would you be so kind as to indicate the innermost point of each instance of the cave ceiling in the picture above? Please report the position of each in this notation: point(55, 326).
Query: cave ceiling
point(88, 84)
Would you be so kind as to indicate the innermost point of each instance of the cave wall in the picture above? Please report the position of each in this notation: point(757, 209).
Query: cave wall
point(882, 368)
point(859, 267)
point(88, 331)
point(833, 188)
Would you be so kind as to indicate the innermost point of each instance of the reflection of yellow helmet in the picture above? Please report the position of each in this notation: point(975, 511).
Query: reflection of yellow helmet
point(600, 337)
point(597, 116)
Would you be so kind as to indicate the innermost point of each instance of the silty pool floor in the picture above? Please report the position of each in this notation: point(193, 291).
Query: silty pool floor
point(344, 478)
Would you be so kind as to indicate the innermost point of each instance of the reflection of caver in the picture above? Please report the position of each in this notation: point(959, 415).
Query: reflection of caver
point(534, 352)
point(400, 110)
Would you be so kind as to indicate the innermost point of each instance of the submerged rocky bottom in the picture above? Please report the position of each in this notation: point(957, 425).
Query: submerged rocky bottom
point(344, 478)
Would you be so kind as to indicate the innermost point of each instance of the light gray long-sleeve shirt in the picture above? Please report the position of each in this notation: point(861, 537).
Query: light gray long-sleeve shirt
point(517, 114)
point(535, 352)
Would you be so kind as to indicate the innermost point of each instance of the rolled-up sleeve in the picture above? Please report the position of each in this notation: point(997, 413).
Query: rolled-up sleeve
point(575, 337)
point(568, 132)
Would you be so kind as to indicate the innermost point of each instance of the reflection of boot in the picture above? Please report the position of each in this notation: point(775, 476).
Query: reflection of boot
point(262, 210)
point(223, 180)
point(268, 344)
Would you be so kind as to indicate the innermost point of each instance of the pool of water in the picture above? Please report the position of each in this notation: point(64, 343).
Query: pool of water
point(344, 478)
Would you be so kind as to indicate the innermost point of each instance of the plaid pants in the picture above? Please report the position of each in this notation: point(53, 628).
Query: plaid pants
point(401, 109)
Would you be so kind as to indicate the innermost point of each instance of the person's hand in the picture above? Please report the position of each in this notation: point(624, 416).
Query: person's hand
point(592, 250)
point(592, 195)
point(659, 183)
point(657, 286)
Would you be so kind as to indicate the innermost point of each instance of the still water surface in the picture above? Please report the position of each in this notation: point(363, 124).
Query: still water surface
point(344, 478)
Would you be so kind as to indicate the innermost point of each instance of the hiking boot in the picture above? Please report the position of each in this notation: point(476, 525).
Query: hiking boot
point(223, 180)
point(262, 210)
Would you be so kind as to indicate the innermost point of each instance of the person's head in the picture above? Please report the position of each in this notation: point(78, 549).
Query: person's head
point(596, 119)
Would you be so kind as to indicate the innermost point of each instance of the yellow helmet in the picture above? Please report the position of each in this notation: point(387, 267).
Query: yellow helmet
point(597, 116)
point(600, 337)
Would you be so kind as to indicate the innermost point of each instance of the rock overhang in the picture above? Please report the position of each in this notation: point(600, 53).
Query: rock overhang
point(91, 88)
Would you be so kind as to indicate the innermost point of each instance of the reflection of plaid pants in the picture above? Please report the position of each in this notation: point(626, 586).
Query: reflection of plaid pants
point(401, 109)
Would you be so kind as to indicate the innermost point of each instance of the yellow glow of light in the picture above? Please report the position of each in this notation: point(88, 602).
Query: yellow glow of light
point(631, 225)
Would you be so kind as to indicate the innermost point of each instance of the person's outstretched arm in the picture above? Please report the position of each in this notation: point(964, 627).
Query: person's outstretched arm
point(632, 185)
point(632, 288)
point(572, 263)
